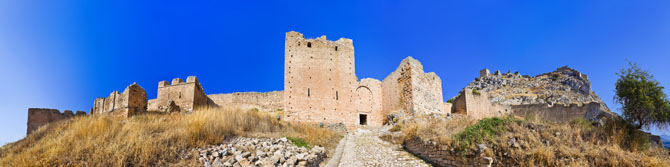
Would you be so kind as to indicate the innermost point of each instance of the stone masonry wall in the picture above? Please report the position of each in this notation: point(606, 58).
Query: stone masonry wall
point(411, 90)
point(319, 80)
point(267, 101)
point(441, 155)
point(38, 117)
point(368, 101)
point(132, 101)
point(187, 95)
point(559, 113)
point(476, 105)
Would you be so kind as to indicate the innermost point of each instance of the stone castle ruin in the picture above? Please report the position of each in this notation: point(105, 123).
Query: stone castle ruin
point(321, 86)
point(131, 102)
point(179, 95)
point(38, 117)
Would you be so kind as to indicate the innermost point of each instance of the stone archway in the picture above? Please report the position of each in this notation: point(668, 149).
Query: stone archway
point(363, 104)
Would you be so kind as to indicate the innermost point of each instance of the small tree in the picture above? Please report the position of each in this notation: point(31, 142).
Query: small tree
point(642, 98)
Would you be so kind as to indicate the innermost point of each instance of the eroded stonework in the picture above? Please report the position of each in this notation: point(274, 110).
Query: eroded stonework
point(262, 101)
point(38, 117)
point(131, 102)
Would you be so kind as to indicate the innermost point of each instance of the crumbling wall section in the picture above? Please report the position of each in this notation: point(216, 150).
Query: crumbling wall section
point(476, 105)
point(38, 117)
point(411, 90)
point(132, 101)
point(442, 155)
point(559, 113)
point(266, 101)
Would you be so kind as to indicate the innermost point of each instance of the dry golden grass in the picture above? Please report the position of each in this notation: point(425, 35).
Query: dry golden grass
point(577, 143)
point(147, 140)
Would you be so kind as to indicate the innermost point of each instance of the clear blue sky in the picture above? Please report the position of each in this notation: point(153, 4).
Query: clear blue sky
point(64, 54)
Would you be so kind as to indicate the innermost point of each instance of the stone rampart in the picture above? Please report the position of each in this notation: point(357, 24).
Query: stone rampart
point(441, 155)
point(38, 117)
point(263, 101)
point(476, 105)
point(131, 102)
point(559, 113)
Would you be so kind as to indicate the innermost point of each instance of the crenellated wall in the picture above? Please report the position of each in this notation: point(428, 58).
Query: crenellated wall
point(187, 95)
point(38, 117)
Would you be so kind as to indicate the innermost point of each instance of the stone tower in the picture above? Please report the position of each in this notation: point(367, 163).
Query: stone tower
point(319, 79)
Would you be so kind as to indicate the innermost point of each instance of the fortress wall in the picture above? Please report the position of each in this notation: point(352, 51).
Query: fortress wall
point(319, 80)
point(558, 113)
point(369, 101)
point(132, 101)
point(267, 101)
point(478, 106)
point(187, 95)
point(409, 89)
point(38, 117)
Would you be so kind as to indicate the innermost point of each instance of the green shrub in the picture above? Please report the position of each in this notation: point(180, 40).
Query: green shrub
point(626, 135)
point(299, 142)
point(395, 128)
point(450, 100)
point(475, 92)
point(582, 123)
point(485, 129)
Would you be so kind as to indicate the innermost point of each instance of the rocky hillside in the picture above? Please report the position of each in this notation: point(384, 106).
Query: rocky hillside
point(563, 86)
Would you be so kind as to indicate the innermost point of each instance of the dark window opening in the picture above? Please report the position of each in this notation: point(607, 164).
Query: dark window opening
point(335, 48)
point(309, 44)
point(363, 119)
point(336, 96)
point(308, 93)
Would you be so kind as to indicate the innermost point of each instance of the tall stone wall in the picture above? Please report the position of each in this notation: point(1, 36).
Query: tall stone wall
point(187, 95)
point(476, 105)
point(368, 102)
point(442, 155)
point(559, 113)
point(38, 117)
point(132, 101)
point(267, 101)
point(411, 90)
point(319, 80)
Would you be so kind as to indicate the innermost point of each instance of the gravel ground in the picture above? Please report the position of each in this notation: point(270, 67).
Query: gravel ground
point(364, 148)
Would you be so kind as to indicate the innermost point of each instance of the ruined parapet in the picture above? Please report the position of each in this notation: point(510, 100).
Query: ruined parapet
point(411, 90)
point(38, 117)
point(561, 113)
point(484, 73)
point(132, 101)
point(476, 105)
point(187, 95)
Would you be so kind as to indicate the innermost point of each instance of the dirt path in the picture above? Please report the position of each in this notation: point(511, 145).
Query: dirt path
point(364, 148)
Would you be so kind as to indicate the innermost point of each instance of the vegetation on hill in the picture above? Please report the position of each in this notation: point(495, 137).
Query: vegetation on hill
point(150, 139)
point(644, 103)
point(532, 142)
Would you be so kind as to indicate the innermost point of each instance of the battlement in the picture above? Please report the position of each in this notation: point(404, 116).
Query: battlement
point(177, 81)
point(186, 95)
point(484, 73)
point(38, 117)
point(322, 40)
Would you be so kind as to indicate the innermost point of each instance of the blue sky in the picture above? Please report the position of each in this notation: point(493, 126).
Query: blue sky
point(64, 54)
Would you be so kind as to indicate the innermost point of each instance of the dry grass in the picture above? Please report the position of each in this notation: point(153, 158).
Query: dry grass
point(577, 143)
point(147, 140)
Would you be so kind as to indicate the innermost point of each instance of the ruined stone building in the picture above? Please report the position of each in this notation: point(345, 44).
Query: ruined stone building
point(38, 117)
point(179, 95)
point(321, 86)
point(261, 101)
point(132, 101)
